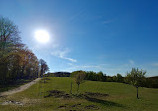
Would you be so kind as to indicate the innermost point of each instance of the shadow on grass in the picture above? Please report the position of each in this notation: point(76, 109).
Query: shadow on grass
point(93, 97)
point(103, 102)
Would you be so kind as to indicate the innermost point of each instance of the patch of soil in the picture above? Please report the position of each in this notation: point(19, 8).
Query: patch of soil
point(10, 102)
point(3, 97)
point(78, 107)
point(95, 94)
point(28, 101)
point(22, 102)
point(92, 107)
point(57, 94)
point(66, 106)
point(62, 107)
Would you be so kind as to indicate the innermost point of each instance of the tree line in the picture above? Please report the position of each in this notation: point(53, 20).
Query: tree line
point(17, 61)
point(150, 82)
point(135, 77)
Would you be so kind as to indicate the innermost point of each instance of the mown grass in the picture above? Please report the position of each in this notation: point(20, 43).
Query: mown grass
point(122, 97)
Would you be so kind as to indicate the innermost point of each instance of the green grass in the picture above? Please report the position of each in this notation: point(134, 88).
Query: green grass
point(122, 97)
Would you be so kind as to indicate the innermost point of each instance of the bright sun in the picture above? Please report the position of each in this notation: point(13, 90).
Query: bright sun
point(42, 36)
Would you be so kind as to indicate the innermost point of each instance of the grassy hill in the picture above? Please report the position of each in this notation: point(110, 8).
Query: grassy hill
point(99, 96)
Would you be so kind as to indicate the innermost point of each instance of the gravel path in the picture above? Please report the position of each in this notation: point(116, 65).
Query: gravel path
point(19, 89)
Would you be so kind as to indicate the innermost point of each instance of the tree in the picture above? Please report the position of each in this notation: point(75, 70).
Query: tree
point(43, 67)
point(9, 33)
point(104, 78)
point(135, 77)
point(90, 75)
point(78, 77)
point(16, 60)
point(9, 42)
point(114, 78)
point(30, 66)
point(119, 78)
point(100, 76)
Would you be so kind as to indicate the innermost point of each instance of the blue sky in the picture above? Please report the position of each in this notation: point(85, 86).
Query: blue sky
point(99, 35)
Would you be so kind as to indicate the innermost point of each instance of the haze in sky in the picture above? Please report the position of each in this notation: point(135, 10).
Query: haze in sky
point(99, 35)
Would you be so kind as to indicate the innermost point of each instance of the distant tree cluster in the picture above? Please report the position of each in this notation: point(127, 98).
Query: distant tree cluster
point(16, 60)
point(150, 82)
point(58, 74)
point(135, 77)
point(90, 75)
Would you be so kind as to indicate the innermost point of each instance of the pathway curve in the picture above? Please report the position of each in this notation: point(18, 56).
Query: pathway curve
point(19, 89)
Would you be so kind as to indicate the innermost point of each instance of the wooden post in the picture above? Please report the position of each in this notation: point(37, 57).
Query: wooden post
point(71, 88)
point(137, 93)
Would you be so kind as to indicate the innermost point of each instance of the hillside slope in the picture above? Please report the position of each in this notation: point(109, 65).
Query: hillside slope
point(53, 94)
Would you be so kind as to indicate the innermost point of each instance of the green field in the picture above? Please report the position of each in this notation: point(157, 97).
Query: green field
point(102, 96)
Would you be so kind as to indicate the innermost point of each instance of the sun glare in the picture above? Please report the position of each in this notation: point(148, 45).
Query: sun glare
point(42, 36)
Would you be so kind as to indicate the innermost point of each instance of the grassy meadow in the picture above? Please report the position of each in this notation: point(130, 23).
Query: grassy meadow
point(93, 95)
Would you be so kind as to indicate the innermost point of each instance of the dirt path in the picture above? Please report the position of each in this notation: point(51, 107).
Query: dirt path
point(19, 89)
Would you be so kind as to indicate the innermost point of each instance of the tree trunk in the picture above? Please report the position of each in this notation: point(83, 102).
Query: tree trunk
point(137, 93)
point(78, 87)
point(41, 73)
point(22, 72)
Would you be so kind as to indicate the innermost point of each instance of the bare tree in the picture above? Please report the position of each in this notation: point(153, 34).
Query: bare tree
point(9, 33)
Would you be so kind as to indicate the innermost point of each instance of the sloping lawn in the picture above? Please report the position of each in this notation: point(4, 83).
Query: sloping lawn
point(54, 95)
